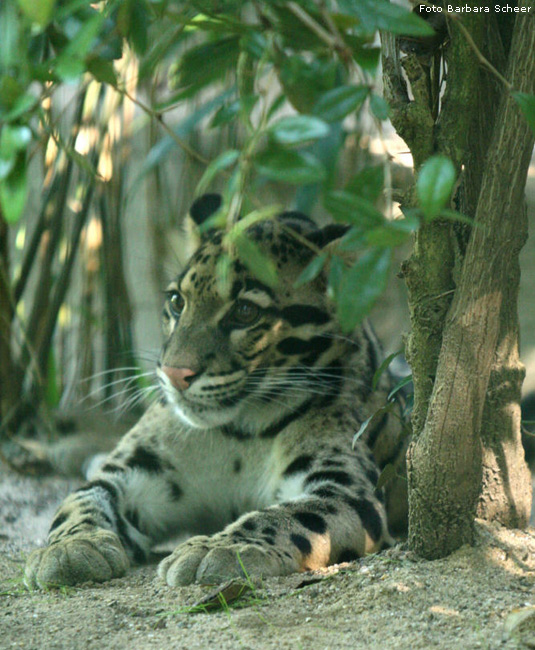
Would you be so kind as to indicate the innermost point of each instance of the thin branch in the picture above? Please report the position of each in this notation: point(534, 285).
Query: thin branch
point(482, 59)
point(314, 26)
point(155, 115)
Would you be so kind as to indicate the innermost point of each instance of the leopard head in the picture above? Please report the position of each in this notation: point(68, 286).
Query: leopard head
point(253, 352)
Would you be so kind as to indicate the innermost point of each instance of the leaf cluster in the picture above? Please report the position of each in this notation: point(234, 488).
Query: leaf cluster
point(292, 80)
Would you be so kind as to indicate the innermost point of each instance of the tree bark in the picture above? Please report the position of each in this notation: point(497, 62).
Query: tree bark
point(430, 271)
point(480, 334)
point(506, 485)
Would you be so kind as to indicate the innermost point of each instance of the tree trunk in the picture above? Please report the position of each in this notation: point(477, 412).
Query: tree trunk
point(480, 337)
point(464, 358)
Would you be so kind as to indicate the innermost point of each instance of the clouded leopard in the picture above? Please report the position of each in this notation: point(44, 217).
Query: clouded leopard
point(250, 445)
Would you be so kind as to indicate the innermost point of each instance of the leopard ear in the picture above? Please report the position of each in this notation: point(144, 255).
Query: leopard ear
point(322, 237)
point(201, 210)
point(204, 207)
point(328, 240)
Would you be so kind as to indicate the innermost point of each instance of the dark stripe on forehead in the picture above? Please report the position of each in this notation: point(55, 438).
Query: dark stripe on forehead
point(294, 345)
point(304, 314)
point(178, 282)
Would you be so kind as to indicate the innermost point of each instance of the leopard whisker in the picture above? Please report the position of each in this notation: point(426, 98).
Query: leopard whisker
point(111, 371)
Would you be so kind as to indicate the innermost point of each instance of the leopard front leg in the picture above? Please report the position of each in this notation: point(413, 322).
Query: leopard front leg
point(336, 517)
point(89, 539)
point(113, 520)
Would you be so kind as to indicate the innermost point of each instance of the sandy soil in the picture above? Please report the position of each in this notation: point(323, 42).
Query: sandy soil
point(480, 597)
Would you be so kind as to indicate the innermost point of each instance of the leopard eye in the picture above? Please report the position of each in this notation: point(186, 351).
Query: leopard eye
point(245, 313)
point(176, 303)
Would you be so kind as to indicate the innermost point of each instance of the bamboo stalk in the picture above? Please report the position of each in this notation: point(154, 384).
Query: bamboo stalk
point(62, 284)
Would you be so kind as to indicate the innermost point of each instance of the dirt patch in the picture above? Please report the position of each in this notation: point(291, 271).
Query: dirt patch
point(391, 600)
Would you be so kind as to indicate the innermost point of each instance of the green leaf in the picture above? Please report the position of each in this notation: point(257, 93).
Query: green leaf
point(336, 104)
point(379, 107)
point(13, 190)
point(336, 275)
point(11, 28)
point(363, 428)
point(254, 259)
point(67, 9)
point(70, 63)
point(139, 25)
point(435, 184)
point(527, 106)
point(207, 62)
point(223, 161)
point(393, 233)
point(327, 151)
point(361, 285)
point(388, 474)
point(312, 270)
point(349, 208)
point(304, 81)
point(247, 103)
point(13, 139)
point(245, 74)
point(132, 23)
point(5, 167)
point(368, 183)
point(293, 167)
point(225, 114)
point(255, 43)
point(387, 16)
point(366, 57)
point(277, 103)
point(297, 130)
point(23, 104)
point(102, 70)
point(384, 365)
point(70, 68)
point(403, 382)
point(374, 416)
point(38, 11)
point(254, 217)
point(353, 240)
point(294, 32)
point(222, 275)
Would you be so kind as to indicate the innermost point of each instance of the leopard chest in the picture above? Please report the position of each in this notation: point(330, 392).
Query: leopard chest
point(222, 477)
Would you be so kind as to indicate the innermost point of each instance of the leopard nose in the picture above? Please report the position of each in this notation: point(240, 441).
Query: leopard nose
point(181, 378)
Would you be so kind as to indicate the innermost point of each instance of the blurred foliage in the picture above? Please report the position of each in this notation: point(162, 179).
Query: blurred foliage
point(288, 82)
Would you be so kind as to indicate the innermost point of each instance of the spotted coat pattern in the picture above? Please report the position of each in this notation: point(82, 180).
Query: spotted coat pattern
point(249, 448)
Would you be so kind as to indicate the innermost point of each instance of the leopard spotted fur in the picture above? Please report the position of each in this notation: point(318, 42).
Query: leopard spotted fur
point(250, 447)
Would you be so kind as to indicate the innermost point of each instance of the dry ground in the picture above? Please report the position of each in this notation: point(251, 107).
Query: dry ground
point(391, 600)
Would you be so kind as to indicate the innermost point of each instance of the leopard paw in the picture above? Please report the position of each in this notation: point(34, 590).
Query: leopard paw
point(211, 560)
point(96, 556)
